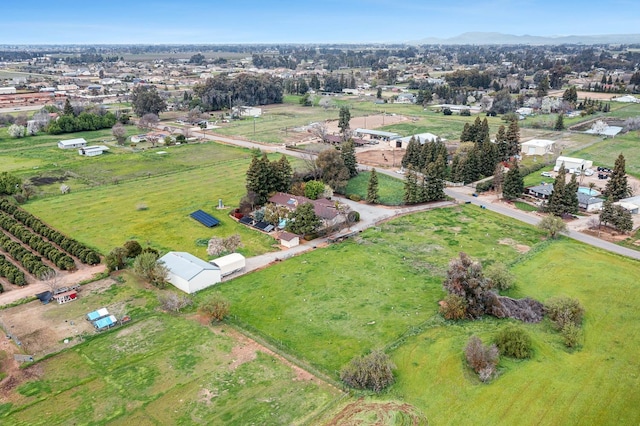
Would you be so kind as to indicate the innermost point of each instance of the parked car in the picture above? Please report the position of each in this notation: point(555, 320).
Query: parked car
point(546, 174)
point(588, 172)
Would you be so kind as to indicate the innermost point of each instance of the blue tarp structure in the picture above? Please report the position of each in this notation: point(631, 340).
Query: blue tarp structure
point(205, 218)
point(97, 314)
point(105, 322)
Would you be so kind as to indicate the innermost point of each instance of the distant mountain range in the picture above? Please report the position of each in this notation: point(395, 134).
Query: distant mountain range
point(479, 38)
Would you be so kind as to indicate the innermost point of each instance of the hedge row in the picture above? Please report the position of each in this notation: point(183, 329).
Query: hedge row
point(62, 260)
point(32, 263)
point(11, 272)
point(71, 246)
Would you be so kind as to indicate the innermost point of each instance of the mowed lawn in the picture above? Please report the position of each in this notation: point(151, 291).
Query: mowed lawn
point(390, 190)
point(604, 153)
point(106, 216)
point(596, 384)
point(331, 304)
point(164, 370)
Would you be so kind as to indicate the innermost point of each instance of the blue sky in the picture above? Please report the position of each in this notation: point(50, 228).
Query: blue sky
point(304, 21)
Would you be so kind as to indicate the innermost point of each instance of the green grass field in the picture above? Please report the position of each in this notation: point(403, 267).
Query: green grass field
point(390, 190)
point(329, 305)
point(604, 153)
point(106, 216)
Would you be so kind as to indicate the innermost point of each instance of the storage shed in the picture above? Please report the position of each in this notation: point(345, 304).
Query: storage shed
point(537, 147)
point(288, 239)
point(72, 143)
point(189, 273)
point(572, 164)
point(230, 263)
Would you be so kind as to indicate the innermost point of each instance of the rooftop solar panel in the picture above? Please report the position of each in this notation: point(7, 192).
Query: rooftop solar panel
point(205, 218)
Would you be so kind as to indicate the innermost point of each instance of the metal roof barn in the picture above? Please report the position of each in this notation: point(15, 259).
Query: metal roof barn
point(189, 273)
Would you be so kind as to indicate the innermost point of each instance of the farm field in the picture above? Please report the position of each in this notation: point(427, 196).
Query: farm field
point(155, 211)
point(329, 305)
point(605, 152)
point(153, 372)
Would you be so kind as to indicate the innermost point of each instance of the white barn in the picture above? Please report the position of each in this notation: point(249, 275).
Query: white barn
point(571, 163)
point(229, 264)
point(189, 273)
point(92, 151)
point(72, 143)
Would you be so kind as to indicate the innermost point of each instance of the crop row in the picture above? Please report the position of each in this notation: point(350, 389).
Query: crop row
point(32, 263)
point(11, 272)
point(62, 260)
point(71, 246)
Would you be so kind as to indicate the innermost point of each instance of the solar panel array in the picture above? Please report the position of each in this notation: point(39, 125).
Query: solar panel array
point(205, 218)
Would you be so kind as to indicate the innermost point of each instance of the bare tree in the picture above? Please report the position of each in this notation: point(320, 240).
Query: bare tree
point(51, 280)
point(153, 140)
point(148, 121)
point(119, 132)
point(320, 130)
point(173, 302)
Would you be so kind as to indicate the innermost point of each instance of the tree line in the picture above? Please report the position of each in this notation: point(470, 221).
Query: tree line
point(222, 92)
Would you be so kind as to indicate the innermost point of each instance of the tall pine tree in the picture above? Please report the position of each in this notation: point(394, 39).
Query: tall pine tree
point(617, 187)
point(411, 188)
point(556, 205)
point(372, 188)
point(501, 143)
point(513, 138)
point(513, 186)
point(348, 153)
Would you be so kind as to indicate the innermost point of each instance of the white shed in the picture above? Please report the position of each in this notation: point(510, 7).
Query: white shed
point(288, 239)
point(92, 151)
point(72, 143)
point(537, 147)
point(230, 263)
point(571, 163)
point(189, 273)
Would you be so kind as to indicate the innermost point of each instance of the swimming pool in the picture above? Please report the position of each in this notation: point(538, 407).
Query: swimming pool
point(586, 190)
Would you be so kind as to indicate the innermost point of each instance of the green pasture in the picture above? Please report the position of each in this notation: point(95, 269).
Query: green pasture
point(164, 370)
point(331, 304)
point(390, 190)
point(595, 384)
point(605, 152)
point(156, 210)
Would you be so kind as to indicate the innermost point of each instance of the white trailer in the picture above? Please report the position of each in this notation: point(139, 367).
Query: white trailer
point(230, 263)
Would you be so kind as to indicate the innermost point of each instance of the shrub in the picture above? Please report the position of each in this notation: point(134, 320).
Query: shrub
point(570, 334)
point(133, 248)
point(373, 372)
point(173, 302)
point(215, 307)
point(453, 307)
point(147, 267)
point(500, 276)
point(514, 342)
point(355, 197)
point(482, 359)
point(564, 310)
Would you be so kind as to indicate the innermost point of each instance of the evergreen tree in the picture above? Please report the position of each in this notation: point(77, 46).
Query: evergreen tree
point(559, 123)
point(348, 154)
point(259, 178)
point(412, 154)
point(372, 188)
point(483, 133)
point(68, 109)
point(457, 168)
point(379, 93)
point(556, 205)
point(543, 87)
point(303, 220)
point(513, 138)
point(617, 187)
point(315, 82)
point(466, 135)
point(343, 121)
point(411, 189)
point(571, 204)
point(513, 183)
point(502, 145)
point(433, 183)
point(282, 173)
point(488, 158)
point(471, 171)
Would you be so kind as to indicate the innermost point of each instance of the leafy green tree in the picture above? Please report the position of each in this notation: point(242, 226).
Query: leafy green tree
point(570, 95)
point(513, 186)
point(303, 220)
point(343, 121)
point(553, 226)
point(514, 342)
point(332, 169)
point(147, 267)
point(618, 187)
point(616, 216)
point(116, 259)
point(559, 123)
point(379, 93)
point(215, 307)
point(543, 87)
point(145, 100)
point(9, 184)
point(372, 188)
point(313, 189)
point(348, 153)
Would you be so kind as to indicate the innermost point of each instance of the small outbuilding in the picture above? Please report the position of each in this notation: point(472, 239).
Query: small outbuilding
point(72, 143)
point(572, 164)
point(189, 273)
point(229, 264)
point(537, 147)
point(92, 151)
point(288, 239)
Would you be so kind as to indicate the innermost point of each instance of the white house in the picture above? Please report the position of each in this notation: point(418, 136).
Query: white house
point(92, 151)
point(632, 204)
point(589, 202)
point(230, 263)
point(7, 90)
point(189, 273)
point(72, 143)
point(537, 147)
point(572, 163)
point(247, 111)
point(524, 111)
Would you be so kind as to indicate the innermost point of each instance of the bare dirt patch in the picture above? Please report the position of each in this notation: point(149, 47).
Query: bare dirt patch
point(380, 156)
point(520, 248)
point(361, 413)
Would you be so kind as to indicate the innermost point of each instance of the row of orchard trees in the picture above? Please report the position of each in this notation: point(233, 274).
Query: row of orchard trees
point(71, 246)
